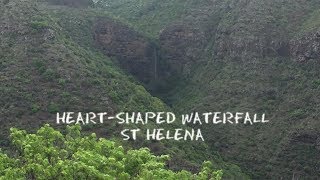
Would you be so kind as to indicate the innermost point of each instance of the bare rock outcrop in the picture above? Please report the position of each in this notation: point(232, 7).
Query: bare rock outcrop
point(182, 46)
point(134, 52)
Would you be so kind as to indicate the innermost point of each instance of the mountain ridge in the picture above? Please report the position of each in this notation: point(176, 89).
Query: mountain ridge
point(50, 63)
point(235, 55)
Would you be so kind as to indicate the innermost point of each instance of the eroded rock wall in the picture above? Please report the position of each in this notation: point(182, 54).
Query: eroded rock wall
point(135, 53)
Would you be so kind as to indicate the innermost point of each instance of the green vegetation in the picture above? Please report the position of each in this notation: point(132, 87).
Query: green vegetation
point(312, 23)
point(282, 89)
point(151, 16)
point(240, 74)
point(50, 62)
point(59, 68)
point(39, 25)
point(35, 108)
point(48, 154)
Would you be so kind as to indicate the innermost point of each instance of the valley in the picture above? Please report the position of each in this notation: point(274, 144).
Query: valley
point(178, 56)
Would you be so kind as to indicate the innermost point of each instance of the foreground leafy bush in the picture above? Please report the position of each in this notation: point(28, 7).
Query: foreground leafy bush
point(48, 154)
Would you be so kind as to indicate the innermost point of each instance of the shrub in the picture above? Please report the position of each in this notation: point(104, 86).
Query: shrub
point(50, 74)
point(39, 25)
point(48, 154)
point(53, 107)
point(35, 108)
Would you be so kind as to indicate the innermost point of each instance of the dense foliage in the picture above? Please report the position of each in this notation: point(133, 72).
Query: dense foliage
point(49, 62)
point(61, 69)
point(48, 154)
point(249, 64)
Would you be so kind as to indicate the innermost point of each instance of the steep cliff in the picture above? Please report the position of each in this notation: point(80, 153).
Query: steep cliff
point(135, 53)
point(182, 46)
point(243, 55)
point(57, 58)
point(49, 64)
point(231, 55)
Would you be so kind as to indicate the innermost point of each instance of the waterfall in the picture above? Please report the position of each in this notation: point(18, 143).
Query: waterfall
point(155, 63)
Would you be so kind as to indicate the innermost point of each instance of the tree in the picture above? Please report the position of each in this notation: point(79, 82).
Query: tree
point(48, 154)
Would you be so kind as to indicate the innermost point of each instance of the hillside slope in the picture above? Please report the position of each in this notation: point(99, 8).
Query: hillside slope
point(258, 56)
point(52, 61)
point(231, 55)
point(44, 69)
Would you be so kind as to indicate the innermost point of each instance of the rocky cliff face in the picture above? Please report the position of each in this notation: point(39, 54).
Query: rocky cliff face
point(259, 28)
point(49, 63)
point(135, 53)
point(44, 69)
point(262, 37)
point(182, 46)
point(260, 34)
